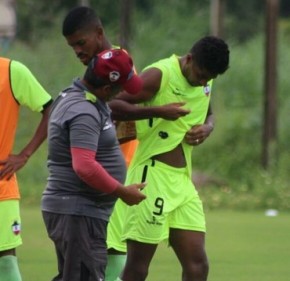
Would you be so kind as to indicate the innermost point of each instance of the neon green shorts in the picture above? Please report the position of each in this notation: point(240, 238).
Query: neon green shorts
point(10, 226)
point(172, 202)
point(115, 227)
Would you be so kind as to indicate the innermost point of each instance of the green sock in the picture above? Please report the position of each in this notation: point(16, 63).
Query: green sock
point(9, 270)
point(114, 267)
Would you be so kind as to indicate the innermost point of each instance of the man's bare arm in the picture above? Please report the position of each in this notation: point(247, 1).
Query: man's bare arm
point(15, 162)
point(124, 105)
point(124, 111)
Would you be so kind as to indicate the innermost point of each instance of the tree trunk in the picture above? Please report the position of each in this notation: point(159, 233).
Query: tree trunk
point(125, 24)
point(217, 15)
point(84, 3)
point(269, 141)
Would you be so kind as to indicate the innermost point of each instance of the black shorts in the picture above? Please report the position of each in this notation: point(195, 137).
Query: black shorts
point(80, 244)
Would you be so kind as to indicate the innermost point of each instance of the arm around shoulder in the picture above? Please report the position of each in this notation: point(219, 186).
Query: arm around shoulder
point(124, 105)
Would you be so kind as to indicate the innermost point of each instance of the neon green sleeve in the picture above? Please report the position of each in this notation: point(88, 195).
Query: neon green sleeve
point(26, 89)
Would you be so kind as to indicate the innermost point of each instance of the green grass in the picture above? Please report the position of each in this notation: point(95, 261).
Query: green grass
point(241, 246)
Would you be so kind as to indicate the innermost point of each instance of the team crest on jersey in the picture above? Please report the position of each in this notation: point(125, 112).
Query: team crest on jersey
point(16, 228)
point(207, 90)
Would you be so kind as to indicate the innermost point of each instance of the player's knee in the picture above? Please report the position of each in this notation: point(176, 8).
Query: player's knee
point(197, 269)
point(205, 268)
point(140, 273)
point(137, 272)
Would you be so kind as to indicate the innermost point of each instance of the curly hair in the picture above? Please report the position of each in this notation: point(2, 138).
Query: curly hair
point(212, 54)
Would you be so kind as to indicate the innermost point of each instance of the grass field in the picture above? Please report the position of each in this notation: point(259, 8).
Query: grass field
point(242, 246)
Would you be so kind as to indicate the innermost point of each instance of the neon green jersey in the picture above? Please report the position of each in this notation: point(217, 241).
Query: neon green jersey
point(158, 135)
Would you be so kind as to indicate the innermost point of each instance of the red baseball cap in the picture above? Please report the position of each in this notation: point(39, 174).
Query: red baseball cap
point(115, 66)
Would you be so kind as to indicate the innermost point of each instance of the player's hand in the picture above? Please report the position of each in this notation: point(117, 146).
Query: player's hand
point(131, 194)
point(198, 134)
point(11, 165)
point(173, 111)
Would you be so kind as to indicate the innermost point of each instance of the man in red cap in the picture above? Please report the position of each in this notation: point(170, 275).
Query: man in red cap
point(86, 167)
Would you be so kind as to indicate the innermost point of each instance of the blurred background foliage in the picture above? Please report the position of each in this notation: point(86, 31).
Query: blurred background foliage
point(244, 18)
point(228, 165)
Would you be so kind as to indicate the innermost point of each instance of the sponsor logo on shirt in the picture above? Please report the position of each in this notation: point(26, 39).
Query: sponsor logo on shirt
point(154, 221)
point(107, 126)
point(16, 228)
point(177, 92)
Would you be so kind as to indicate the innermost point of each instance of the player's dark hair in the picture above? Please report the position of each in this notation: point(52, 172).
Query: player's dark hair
point(79, 18)
point(212, 54)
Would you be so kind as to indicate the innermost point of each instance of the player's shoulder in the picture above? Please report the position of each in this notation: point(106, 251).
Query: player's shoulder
point(18, 66)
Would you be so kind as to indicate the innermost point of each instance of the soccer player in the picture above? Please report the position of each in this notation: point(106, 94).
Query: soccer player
point(18, 87)
point(86, 167)
point(173, 209)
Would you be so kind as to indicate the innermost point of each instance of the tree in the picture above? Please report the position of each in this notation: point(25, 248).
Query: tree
point(217, 16)
point(125, 22)
point(269, 141)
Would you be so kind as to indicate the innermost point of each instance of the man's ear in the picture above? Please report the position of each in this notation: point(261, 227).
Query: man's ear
point(189, 58)
point(106, 91)
point(102, 92)
point(99, 31)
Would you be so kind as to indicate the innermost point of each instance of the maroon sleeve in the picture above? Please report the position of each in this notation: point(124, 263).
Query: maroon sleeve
point(90, 171)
